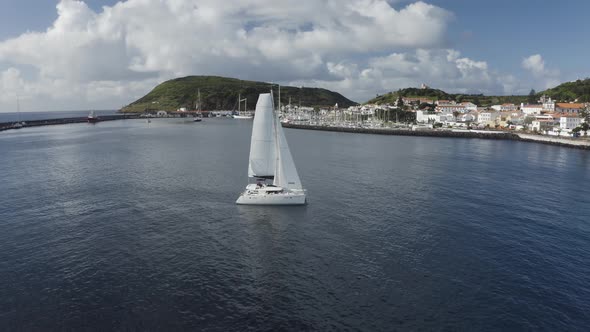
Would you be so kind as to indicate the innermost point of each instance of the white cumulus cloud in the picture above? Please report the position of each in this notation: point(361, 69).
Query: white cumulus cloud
point(439, 68)
point(108, 58)
point(535, 64)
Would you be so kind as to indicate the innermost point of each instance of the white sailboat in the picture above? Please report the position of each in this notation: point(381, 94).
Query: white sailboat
point(92, 118)
point(270, 159)
point(198, 117)
point(245, 114)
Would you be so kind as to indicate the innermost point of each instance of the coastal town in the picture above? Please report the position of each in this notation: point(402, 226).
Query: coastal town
point(546, 117)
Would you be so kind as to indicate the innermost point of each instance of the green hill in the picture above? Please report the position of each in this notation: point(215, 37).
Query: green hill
point(570, 91)
point(577, 90)
point(221, 93)
point(391, 97)
point(436, 94)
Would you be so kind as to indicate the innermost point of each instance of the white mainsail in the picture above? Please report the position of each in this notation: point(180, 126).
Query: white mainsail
point(262, 144)
point(285, 172)
point(270, 158)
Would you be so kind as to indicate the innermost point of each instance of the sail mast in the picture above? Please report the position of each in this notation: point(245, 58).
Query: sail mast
point(276, 180)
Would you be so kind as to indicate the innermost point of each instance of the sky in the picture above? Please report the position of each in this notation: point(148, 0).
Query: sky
point(77, 55)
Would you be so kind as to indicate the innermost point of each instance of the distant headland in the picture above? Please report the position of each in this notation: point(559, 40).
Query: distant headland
point(221, 93)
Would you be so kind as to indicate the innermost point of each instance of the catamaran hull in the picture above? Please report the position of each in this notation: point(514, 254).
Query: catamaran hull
point(273, 199)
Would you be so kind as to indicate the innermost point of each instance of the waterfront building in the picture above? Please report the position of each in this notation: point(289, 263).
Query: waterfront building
point(542, 126)
point(467, 117)
point(426, 117)
point(569, 121)
point(516, 118)
point(488, 118)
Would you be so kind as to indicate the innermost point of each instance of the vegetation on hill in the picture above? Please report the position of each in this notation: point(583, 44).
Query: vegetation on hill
point(436, 94)
point(577, 90)
point(391, 97)
point(570, 91)
point(221, 93)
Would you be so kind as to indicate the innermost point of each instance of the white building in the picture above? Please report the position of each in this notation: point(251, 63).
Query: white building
point(542, 125)
point(485, 117)
point(531, 109)
point(469, 106)
point(425, 117)
point(569, 122)
point(468, 117)
point(452, 108)
point(548, 104)
point(505, 107)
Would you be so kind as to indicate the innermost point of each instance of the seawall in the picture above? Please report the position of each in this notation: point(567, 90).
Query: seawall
point(571, 143)
point(51, 122)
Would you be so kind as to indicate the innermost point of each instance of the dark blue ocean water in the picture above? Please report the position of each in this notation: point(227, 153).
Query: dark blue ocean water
point(28, 116)
point(126, 225)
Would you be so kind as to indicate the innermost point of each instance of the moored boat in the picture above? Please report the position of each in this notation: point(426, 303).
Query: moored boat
point(92, 118)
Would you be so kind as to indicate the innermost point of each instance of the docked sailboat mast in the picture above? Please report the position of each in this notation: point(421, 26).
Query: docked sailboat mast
point(198, 104)
point(17, 109)
point(240, 100)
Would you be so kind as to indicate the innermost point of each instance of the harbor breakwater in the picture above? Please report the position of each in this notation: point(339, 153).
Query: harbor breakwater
point(483, 134)
point(51, 122)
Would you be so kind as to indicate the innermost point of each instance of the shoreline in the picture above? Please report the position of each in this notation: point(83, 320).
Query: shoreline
point(549, 140)
point(59, 121)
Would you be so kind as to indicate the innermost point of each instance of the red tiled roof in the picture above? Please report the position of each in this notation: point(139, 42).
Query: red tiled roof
point(569, 105)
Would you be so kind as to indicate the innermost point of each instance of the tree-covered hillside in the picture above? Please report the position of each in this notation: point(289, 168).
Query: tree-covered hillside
point(436, 94)
point(570, 91)
point(577, 90)
point(221, 93)
point(391, 97)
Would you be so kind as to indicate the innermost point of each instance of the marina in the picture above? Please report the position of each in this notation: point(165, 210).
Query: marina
point(350, 127)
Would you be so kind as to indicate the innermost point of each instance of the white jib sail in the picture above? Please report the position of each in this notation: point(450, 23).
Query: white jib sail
point(286, 174)
point(262, 144)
